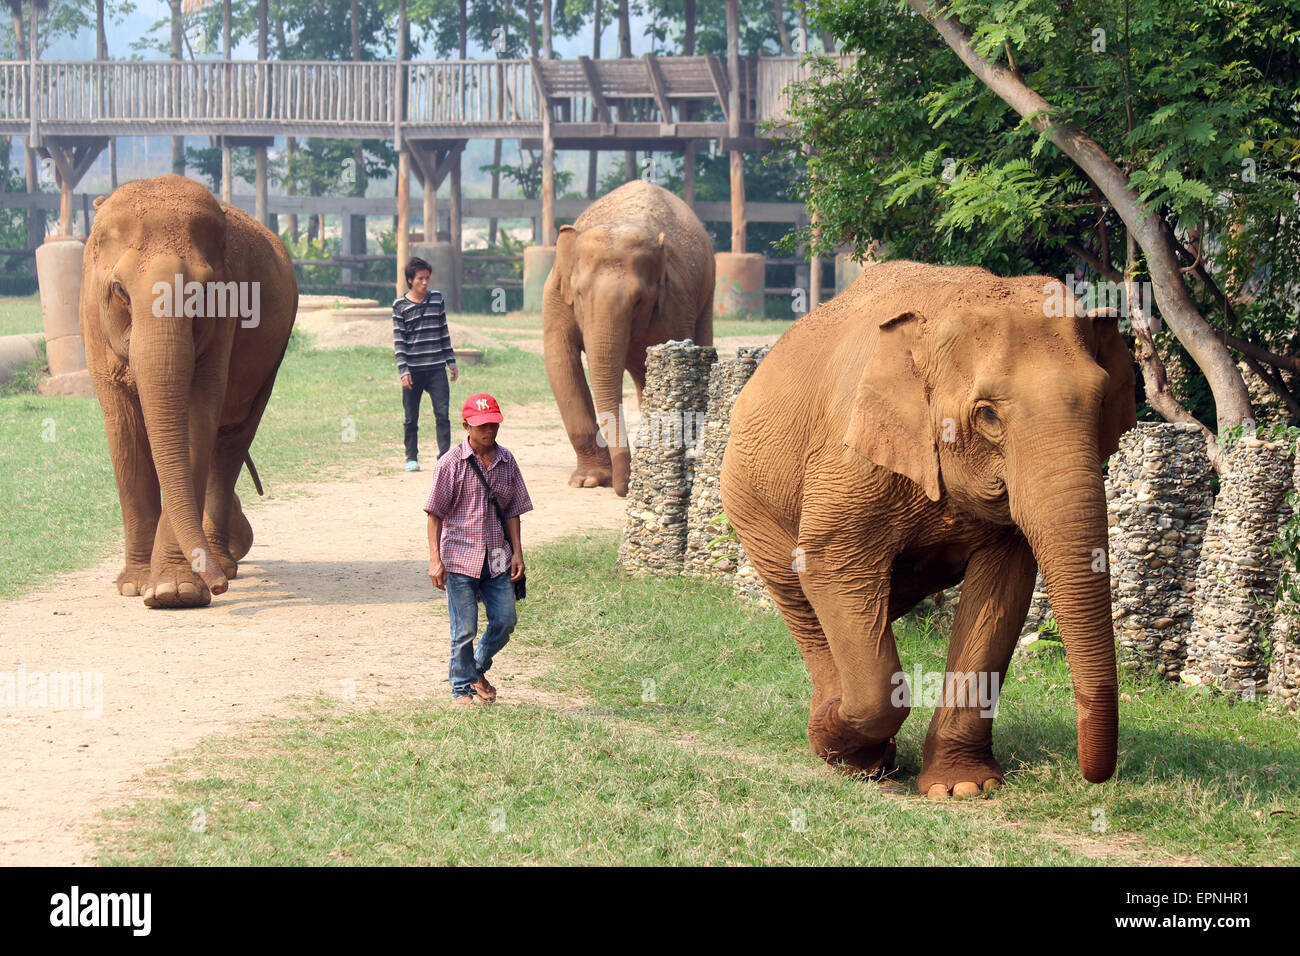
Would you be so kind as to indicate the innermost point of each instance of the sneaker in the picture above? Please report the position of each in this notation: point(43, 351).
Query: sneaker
point(464, 702)
point(412, 465)
point(486, 692)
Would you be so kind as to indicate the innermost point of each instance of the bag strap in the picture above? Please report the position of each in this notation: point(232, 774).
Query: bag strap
point(491, 495)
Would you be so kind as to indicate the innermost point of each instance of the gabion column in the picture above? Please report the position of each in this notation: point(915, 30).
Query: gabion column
point(748, 584)
point(1039, 610)
point(1238, 573)
point(658, 492)
point(1158, 498)
point(1284, 671)
point(725, 382)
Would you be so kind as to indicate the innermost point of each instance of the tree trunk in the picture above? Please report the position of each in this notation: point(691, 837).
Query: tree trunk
point(1231, 398)
point(593, 156)
point(625, 109)
point(786, 49)
point(177, 53)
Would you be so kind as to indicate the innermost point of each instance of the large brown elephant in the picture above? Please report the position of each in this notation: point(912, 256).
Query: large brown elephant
point(634, 270)
point(186, 309)
point(927, 426)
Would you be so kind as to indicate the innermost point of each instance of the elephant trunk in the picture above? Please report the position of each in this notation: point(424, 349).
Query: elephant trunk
point(606, 360)
point(1062, 510)
point(162, 359)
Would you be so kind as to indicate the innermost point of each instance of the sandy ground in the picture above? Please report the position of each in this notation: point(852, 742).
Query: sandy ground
point(333, 600)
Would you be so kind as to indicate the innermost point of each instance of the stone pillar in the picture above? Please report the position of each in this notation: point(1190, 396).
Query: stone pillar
point(58, 273)
point(673, 404)
point(1158, 497)
point(726, 380)
point(441, 261)
point(538, 261)
point(1284, 670)
point(738, 292)
point(1039, 611)
point(1238, 572)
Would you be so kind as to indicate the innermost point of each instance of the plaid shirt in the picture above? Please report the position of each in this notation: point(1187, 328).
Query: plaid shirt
point(471, 531)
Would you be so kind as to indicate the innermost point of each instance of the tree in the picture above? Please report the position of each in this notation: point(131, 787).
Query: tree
point(1029, 136)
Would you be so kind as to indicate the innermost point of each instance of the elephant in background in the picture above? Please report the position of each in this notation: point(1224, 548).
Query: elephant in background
point(186, 309)
point(926, 426)
point(634, 270)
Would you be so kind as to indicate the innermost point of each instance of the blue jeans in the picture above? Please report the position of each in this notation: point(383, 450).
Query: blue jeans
point(463, 594)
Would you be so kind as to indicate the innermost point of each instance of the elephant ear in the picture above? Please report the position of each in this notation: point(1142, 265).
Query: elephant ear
point(890, 423)
point(663, 279)
point(1119, 406)
point(564, 261)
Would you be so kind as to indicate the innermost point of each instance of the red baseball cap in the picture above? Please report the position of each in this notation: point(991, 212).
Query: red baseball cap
point(480, 409)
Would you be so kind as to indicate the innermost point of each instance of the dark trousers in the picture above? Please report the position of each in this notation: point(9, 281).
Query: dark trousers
point(434, 381)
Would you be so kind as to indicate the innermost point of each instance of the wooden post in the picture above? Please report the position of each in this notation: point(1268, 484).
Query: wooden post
point(688, 112)
point(403, 156)
point(403, 215)
point(593, 157)
point(430, 197)
point(259, 201)
point(455, 226)
point(733, 127)
point(263, 214)
point(227, 170)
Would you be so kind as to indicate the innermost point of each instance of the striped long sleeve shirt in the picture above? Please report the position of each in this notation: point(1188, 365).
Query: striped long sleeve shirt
point(420, 336)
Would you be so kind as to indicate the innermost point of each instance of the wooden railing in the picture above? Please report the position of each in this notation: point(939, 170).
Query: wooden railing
point(776, 73)
point(454, 92)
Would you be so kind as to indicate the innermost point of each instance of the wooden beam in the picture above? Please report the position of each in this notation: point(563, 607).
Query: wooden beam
point(593, 84)
point(657, 85)
point(720, 85)
point(403, 216)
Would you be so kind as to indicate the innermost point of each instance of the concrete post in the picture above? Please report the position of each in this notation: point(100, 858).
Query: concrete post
point(738, 292)
point(538, 261)
point(58, 273)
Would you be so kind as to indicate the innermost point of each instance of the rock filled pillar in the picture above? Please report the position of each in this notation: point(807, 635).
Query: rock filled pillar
point(673, 405)
point(1158, 496)
point(1238, 572)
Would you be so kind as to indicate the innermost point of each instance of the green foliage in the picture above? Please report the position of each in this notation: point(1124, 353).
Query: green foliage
point(1197, 101)
point(528, 176)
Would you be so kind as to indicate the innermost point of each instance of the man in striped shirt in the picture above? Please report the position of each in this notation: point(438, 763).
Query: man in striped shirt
point(422, 345)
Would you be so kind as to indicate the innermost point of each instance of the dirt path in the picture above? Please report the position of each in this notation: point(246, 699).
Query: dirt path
point(333, 600)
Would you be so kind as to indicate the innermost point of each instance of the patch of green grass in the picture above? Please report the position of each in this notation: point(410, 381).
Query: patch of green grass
point(331, 412)
point(25, 378)
point(725, 328)
point(21, 314)
point(692, 751)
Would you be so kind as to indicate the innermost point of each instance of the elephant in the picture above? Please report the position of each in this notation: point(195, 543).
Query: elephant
point(634, 270)
point(186, 309)
point(931, 425)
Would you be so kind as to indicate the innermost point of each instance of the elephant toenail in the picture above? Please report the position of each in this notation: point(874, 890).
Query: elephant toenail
point(965, 789)
point(992, 783)
point(937, 791)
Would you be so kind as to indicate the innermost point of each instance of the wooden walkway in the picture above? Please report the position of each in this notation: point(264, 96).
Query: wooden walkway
point(448, 100)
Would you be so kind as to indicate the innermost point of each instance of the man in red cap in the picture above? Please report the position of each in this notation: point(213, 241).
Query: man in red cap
point(475, 549)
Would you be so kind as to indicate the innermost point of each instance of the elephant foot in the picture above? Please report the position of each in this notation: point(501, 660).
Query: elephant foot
point(228, 563)
point(962, 775)
point(591, 476)
point(176, 587)
point(241, 534)
point(844, 748)
point(133, 579)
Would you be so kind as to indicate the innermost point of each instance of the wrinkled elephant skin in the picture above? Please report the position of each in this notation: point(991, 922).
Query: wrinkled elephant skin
point(928, 426)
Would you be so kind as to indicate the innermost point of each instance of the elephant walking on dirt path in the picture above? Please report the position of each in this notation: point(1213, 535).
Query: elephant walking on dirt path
point(186, 309)
point(635, 269)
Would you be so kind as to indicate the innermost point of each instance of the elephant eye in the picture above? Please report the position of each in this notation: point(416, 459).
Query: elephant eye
point(988, 416)
point(117, 287)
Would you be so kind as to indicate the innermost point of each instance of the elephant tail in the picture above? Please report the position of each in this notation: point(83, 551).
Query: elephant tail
point(252, 473)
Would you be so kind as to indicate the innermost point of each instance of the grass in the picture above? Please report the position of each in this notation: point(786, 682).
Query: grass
point(332, 412)
point(532, 321)
point(709, 763)
point(21, 314)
